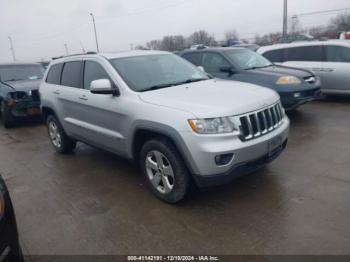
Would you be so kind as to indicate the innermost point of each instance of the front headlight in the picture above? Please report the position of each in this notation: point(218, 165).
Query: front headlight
point(288, 80)
point(220, 125)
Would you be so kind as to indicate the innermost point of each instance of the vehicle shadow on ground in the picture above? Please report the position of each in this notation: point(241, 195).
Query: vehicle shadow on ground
point(30, 122)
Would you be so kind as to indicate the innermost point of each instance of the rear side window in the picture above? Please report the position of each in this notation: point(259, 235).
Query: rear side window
point(194, 58)
point(54, 75)
point(338, 54)
point(93, 71)
point(276, 56)
point(71, 75)
point(304, 53)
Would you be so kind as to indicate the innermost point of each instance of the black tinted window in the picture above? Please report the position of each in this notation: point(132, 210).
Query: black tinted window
point(54, 75)
point(212, 62)
point(71, 74)
point(276, 56)
point(337, 54)
point(93, 71)
point(194, 58)
point(305, 53)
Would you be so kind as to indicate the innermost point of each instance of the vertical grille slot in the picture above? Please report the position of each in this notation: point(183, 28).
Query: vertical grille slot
point(259, 123)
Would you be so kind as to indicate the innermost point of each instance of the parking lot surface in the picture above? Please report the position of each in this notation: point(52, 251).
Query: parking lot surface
point(93, 202)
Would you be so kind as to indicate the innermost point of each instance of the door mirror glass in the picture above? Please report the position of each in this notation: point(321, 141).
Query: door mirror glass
point(201, 68)
point(103, 87)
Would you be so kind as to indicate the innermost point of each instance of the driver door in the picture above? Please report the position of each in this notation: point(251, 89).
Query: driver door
point(100, 115)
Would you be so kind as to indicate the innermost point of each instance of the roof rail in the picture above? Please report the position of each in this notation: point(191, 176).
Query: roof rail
point(87, 53)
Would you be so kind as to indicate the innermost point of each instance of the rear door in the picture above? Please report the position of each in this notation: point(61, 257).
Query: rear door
point(69, 95)
point(336, 69)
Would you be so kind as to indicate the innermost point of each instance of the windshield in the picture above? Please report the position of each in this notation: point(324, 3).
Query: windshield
point(149, 72)
point(247, 59)
point(21, 72)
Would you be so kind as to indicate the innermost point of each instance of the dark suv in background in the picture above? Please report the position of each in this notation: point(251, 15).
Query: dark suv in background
point(295, 86)
point(19, 91)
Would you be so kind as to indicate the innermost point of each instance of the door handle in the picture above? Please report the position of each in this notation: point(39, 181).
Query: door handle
point(317, 69)
point(83, 97)
point(57, 92)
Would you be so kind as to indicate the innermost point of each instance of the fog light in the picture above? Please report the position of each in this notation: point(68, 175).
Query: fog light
point(11, 103)
point(297, 95)
point(222, 160)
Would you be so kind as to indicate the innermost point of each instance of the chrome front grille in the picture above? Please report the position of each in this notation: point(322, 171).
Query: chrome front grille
point(259, 123)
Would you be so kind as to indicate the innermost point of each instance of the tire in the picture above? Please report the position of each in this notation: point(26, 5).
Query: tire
point(6, 117)
point(60, 141)
point(170, 180)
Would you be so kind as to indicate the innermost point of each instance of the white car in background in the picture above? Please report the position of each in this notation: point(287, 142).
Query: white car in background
point(329, 59)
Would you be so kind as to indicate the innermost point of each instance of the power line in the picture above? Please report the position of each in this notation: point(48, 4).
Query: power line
point(322, 12)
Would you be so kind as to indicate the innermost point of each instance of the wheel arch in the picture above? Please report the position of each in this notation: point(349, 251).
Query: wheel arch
point(144, 133)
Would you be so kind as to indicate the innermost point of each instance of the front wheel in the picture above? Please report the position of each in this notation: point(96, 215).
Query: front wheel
point(61, 142)
point(164, 170)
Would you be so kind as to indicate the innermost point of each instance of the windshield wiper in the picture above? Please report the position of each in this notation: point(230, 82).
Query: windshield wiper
point(156, 87)
point(257, 67)
point(191, 81)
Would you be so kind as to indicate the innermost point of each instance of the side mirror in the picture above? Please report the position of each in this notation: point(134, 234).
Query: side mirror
point(228, 69)
point(103, 87)
point(201, 68)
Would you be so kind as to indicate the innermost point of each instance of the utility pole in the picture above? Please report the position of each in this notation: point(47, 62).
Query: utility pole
point(66, 48)
point(12, 49)
point(131, 47)
point(285, 21)
point(93, 21)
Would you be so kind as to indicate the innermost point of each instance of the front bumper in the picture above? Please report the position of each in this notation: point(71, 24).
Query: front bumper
point(238, 170)
point(290, 102)
point(204, 149)
point(26, 109)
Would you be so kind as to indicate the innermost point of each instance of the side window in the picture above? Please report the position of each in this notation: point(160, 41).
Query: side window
point(71, 75)
point(276, 56)
point(213, 62)
point(93, 71)
point(194, 58)
point(54, 75)
point(304, 53)
point(337, 54)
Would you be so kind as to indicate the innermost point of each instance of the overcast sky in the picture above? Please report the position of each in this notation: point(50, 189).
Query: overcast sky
point(40, 28)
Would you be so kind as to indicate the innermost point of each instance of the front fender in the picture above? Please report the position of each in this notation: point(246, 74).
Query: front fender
point(167, 131)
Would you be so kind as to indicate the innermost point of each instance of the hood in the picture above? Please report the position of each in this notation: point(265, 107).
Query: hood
point(24, 85)
point(213, 98)
point(278, 71)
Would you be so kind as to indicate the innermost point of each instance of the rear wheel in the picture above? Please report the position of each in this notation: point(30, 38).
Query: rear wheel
point(6, 117)
point(164, 170)
point(61, 142)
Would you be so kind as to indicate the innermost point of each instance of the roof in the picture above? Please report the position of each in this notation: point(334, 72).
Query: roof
point(132, 53)
point(304, 43)
point(217, 49)
point(18, 64)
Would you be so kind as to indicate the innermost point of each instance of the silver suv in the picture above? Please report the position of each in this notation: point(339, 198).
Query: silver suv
point(164, 113)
